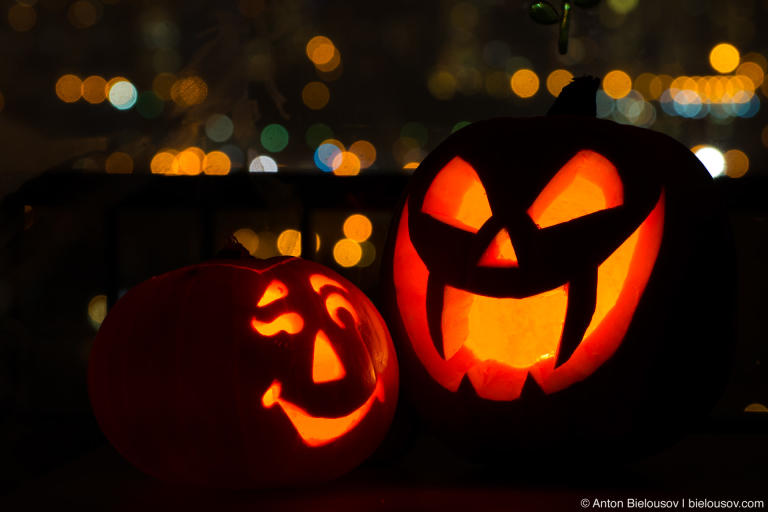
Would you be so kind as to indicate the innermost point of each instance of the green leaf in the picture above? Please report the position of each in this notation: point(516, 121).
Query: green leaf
point(586, 3)
point(544, 13)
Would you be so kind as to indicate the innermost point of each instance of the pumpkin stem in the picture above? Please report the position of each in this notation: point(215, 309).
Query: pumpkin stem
point(579, 98)
point(233, 250)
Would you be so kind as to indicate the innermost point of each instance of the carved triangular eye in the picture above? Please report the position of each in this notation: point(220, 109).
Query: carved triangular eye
point(586, 184)
point(326, 365)
point(457, 197)
point(276, 290)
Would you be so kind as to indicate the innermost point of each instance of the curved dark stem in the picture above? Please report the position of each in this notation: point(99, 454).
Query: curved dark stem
point(565, 25)
point(582, 298)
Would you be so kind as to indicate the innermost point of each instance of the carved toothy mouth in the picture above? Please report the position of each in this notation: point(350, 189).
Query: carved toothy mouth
point(515, 332)
point(315, 430)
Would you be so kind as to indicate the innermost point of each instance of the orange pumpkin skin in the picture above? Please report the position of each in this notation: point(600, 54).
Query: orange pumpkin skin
point(547, 281)
point(244, 373)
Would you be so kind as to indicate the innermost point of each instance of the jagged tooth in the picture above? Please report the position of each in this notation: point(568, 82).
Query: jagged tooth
point(435, 304)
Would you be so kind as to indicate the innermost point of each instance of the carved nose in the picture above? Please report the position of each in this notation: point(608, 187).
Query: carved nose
point(500, 252)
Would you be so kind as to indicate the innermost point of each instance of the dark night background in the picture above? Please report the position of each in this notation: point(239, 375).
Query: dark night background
point(137, 136)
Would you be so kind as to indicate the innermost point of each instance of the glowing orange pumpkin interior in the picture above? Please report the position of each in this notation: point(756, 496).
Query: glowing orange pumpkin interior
point(327, 366)
point(498, 342)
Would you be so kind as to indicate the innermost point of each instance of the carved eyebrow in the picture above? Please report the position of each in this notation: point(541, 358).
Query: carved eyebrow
point(292, 323)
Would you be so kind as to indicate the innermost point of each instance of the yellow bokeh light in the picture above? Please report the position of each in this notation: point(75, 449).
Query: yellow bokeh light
point(753, 71)
point(83, 14)
point(289, 243)
point(411, 165)
point(658, 85)
point(163, 162)
point(524, 83)
point(724, 58)
point(643, 85)
point(97, 310)
point(442, 85)
point(189, 91)
point(756, 407)
point(346, 163)
point(315, 95)
point(248, 239)
point(119, 163)
point(365, 152)
point(320, 50)
point(558, 79)
point(617, 84)
point(94, 89)
point(162, 84)
point(216, 163)
point(329, 67)
point(736, 163)
point(347, 253)
point(189, 161)
point(21, 17)
point(69, 88)
point(369, 254)
point(358, 227)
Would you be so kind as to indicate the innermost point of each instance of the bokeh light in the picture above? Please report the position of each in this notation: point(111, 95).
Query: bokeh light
point(163, 162)
point(219, 127)
point(317, 133)
point(410, 166)
point(315, 95)
point(22, 17)
point(216, 163)
point(524, 83)
point(326, 154)
point(558, 79)
point(622, 6)
point(189, 161)
point(357, 227)
point(458, 126)
point(289, 243)
point(617, 84)
point(263, 163)
point(94, 89)
point(84, 13)
point(368, 255)
point(123, 95)
point(119, 163)
point(756, 407)
point(347, 253)
point(69, 88)
point(712, 159)
point(442, 85)
point(189, 91)
point(736, 163)
point(365, 152)
point(149, 105)
point(162, 85)
point(97, 310)
point(274, 138)
point(415, 131)
point(346, 163)
point(248, 239)
point(724, 58)
point(320, 50)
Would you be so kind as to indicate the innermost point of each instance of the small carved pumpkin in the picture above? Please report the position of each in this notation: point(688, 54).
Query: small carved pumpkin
point(547, 279)
point(243, 373)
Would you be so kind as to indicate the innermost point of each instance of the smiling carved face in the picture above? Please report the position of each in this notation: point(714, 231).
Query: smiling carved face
point(510, 266)
point(329, 371)
point(244, 373)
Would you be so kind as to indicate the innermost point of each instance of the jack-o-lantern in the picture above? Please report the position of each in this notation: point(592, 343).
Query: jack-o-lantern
point(550, 277)
point(244, 373)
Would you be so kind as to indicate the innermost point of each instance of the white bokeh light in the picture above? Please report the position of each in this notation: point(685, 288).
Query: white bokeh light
point(712, 159)
point(263, 164)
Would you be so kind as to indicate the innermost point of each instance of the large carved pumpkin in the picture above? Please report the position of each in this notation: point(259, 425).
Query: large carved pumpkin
point(242, 373)
point(554, 278)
